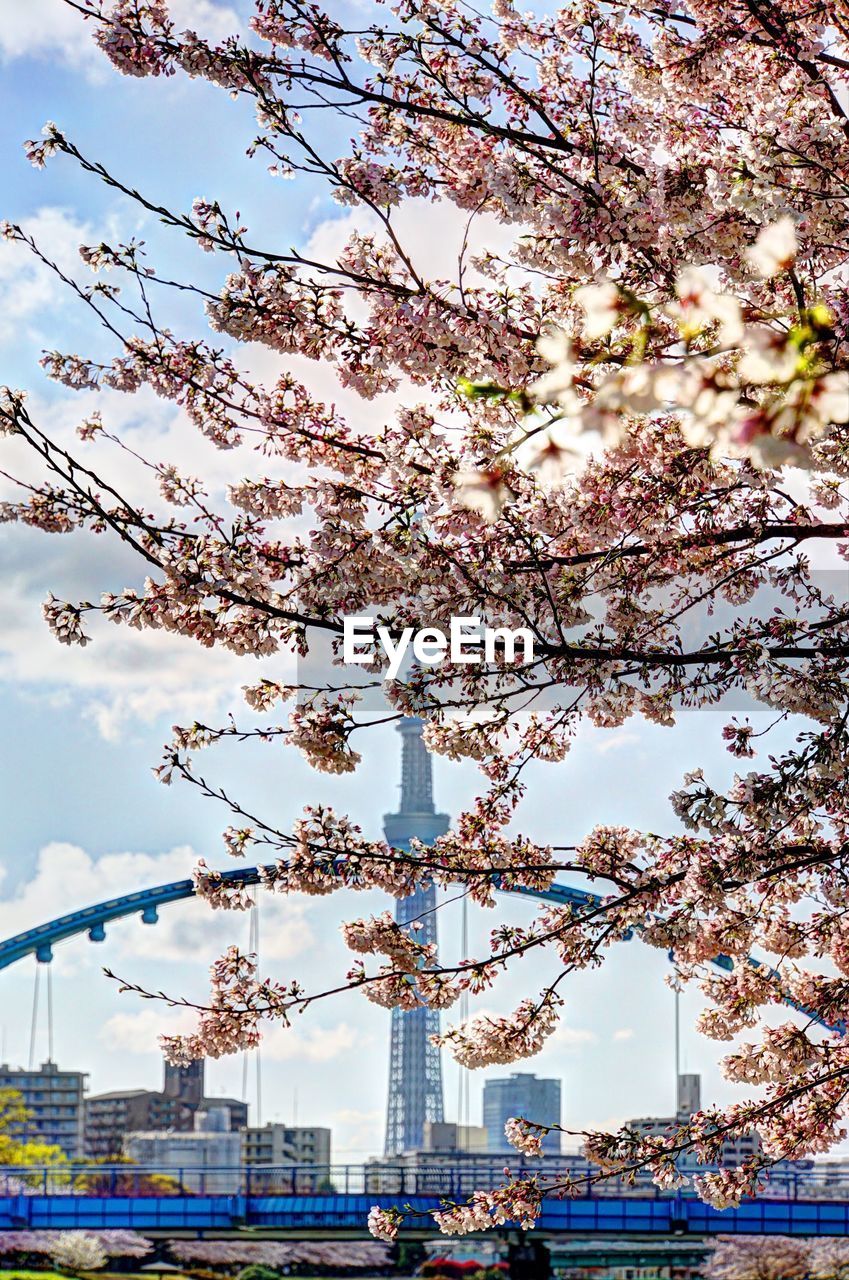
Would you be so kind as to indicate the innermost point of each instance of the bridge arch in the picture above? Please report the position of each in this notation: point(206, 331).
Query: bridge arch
point(146, 903)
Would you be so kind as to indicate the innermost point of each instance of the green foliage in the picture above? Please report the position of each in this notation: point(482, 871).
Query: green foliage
point(256, 1271)
point(31, 1275)
point(22, 1273)
point(19, 1145)
point(126, 1182)
point(14, 1116)
point(410, 1254)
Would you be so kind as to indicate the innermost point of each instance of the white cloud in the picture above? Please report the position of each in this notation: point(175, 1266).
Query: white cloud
point(66, 877)
point(209, 20)
point(133, 1033)
point(314, 1044)
point(623, 1033)
point(432, 233)
point(127, 679)
point(604, 741)
point(138, 1032)
point(45, 27)
point(573, 1038)
point(32, 292)
point(356, 1133)
point(115, 715)
point(52, 29)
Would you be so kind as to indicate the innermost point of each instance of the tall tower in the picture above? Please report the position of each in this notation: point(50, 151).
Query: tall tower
point(415, 1070)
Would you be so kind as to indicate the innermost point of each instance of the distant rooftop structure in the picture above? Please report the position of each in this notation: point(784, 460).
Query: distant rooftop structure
point(689, 1100)
point(184, 1082)
point(450, 1137)
point(689, 1095)
point(110, 1116)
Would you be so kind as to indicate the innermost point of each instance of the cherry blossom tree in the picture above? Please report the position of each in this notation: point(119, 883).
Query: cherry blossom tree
point(759, 1258)
point(829, 1260)
point(777, 1258)
point(229, 1255)
point(77, 1251)
point(632, 420)
point(23, 1245)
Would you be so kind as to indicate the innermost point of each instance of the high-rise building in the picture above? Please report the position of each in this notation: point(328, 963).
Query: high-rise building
point(689, 1095)
point(55, 1100)
point(282, 1144)
point(110, 1116)
point(415, 1069)
point(521, 1095)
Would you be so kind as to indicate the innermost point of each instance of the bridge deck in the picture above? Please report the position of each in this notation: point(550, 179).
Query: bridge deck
point(588, 1216)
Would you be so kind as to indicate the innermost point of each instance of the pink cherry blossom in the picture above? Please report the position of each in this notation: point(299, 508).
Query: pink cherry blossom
point(621, 423)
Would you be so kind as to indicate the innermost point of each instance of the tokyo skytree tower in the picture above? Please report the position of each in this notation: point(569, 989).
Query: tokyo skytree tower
point(415, 1069)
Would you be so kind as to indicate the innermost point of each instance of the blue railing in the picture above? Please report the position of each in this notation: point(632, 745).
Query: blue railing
point(437, 1179)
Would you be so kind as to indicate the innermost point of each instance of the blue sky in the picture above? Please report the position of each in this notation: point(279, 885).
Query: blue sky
point(80, 730)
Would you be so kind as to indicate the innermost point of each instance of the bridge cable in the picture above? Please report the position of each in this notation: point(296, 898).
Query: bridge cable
point(246, 1054)
point(677, 990)
point(255, 949)
point(50, 1057)
point(463, 1078)
point(34, 1020)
